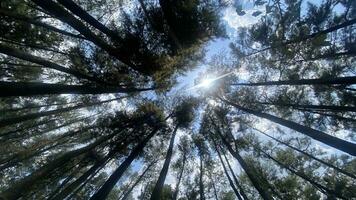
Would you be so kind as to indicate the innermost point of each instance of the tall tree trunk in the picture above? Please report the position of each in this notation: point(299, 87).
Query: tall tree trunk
point(26, 19)
point(24, 186)
point(156, 194)
point(176, 191)
point(201, 175)
point(316, 107)
point(127, 193)
point(214, 188)
point(318, 186)
point(48, 64)
point(38, 106)
point(9, 89)
point(320, 136)
point(250, 170)
point(92, 170)
point(347, 80)
point(104, 190)
point(243, 194)
point(68, 18)
point(305, 38)
point(85, 16)
point(37, 149)
point(308, 154)
point(227, 174)
point(32, 116)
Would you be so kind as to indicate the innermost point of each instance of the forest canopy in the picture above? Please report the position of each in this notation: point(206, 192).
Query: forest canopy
point(168, 99)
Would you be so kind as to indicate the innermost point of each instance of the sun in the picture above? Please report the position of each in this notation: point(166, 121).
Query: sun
point(206, 83)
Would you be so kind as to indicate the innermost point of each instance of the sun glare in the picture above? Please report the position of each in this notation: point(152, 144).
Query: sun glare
point(207, 82)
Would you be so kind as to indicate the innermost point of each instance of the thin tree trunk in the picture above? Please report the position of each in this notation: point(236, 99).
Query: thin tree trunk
point(127, 193)
point(227, 174)
point(24, 185)
point(307, 154)
point(320, 136)
point(85, 16)
point(214, 188)
point(201, 184)
point(68, 18)
point(328, 115)
point(317, 107)
point(9, 89)
point(48, 64)
point(37, 106)
point(156, 194)
point(305, 38)
point(32, 116)
point(38, 149)
point(176, 191)
point(347, 80)
point(243, 194)
point(26, 19)
point(320, 187)
point(250, 170)
point(104, 190)
point(71, 187)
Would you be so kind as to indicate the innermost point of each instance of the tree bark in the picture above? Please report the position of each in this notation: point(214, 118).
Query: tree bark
point(156, 194)
point(347, 80)
point(320, 136)
point(9, 89)
point(104, 190)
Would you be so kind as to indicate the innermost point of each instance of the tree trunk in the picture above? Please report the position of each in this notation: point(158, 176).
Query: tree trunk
point(9, 89)
point(347, 80)
point(316, 107)
point(156, 194)
point(318, 186)
point(48, 64)
point(250, 170)
point(24, 185)
point(26, 19)
point(85, 16)
point(307, 154)
point(68, 18)
point(320, 136)
point(176, 191)
point(305, 38)
point(71, 187)
point(201, 184)
point(227, 174)
point(37, 149)
point(243, 194)
point(104, 190)
point(214, 188)
point(32, 116)
point(127, 193)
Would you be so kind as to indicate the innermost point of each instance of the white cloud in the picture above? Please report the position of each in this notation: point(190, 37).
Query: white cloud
point(235, 21)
